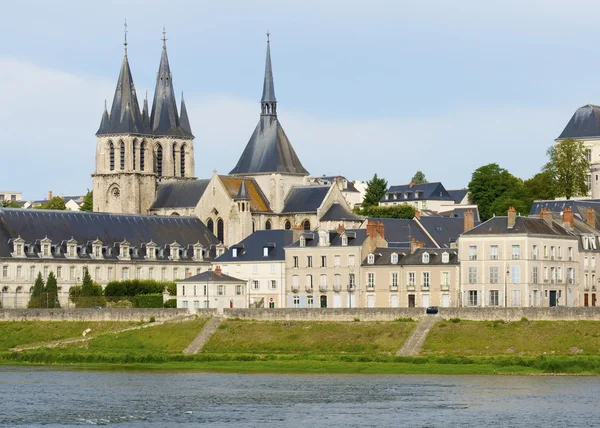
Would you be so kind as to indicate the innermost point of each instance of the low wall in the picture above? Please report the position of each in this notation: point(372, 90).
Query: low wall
point(105, 314)
point(391, 314)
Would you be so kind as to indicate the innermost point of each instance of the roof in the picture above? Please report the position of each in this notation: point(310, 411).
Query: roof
point(356, 237)
point(458, 195)
point(399, 232)
point(258, 201)
point(428, 191)
point(242, 194)
point(523, 225)
point(339, 211)
point(268, 85)
point(444, 230)
point(251, 248)
point(178, 194)
point(211, 276)
point(585, 123)
point(332, 178)
point(305, 199)
point(383, 257)
point(460, 212)
point(579, 208)
point(84, 227)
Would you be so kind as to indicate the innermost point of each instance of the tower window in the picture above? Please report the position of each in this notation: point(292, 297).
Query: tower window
point(122, 155)
point(268, 225)
point(210, 225)
point(288, 225)
point(133, 153)
point(112, 156)
point(159, 160)
point(306, 225)
point(142, 155)
point(182, 160)
point(220, 231)
point(174, 151)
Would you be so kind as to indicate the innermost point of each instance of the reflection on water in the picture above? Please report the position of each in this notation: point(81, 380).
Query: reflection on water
point(34, 396)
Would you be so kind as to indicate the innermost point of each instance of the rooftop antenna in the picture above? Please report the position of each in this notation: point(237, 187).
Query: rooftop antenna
point(164, 37)
point(125, 42)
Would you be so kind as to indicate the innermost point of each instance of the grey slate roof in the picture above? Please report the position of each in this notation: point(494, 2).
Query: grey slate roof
point(398, 232)
point(523, 225)
point(179, 194)
point(356, 237)
point(458, 195)
point(211, 276)
point(268, 85)
point(251, 248)
point(111, 229)
point(383, 257)
point(460, 213)
point(584, 123)
point(304, 199)
point(332, 178)
point(339, 211)
point(444, 230)
point(427, 191)
point(184, 121)
point(242, 194)
point(579, 208)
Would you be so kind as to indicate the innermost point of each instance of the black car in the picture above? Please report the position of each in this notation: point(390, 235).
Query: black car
point(431, 310)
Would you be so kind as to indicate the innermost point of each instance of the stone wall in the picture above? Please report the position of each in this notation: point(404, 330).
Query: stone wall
point(390, 314)
point(107, 314)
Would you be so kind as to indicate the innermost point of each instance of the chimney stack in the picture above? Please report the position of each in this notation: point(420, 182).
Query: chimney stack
point(413, 246)
point(568, 217)
point(340, 229)
point(546, 214)
point(468, 220)
point(49, 194)
point(218, 270)
point(380, 230)
point(591, 217)
point(297, 231)
point(371, 228)
point(417, 214)
point(512, 217)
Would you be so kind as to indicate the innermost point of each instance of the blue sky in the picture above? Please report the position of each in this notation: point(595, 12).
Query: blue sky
point(363, 86)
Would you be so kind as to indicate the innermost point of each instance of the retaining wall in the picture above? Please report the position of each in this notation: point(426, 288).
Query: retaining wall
point(105, 314)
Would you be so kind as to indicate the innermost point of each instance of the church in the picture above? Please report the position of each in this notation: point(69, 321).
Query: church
point(145, 165)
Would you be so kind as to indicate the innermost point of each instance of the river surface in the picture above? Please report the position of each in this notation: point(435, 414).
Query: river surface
point(57, 397)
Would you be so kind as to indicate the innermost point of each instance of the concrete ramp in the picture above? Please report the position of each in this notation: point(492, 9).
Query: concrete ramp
point(207, 331)
point(415, 342)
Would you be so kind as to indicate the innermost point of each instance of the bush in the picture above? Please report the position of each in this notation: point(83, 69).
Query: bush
point(395, 211)
point(455, 320)
point(136, 287)
point(148, 301)
point(171, 303)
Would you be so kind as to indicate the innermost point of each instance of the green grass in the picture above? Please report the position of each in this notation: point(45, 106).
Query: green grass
point(19, 333)
point(236, 336)
point(523, 338)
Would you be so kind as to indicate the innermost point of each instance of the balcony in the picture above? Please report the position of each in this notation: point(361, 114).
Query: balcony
point(586, 288)
point(351, 288)
point(425, 287)
point(410, 287)
point(337, 287)
point(309, 288)
point(370, 287)
point(445, 287)
point(593, 288)
point(393, 287)
point(570, 281)
point(295, 288)
point(323, 288)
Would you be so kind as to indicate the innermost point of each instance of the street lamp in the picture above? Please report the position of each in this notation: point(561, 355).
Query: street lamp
point(505, 285)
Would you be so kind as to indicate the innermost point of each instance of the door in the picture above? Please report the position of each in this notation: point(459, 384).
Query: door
point(425, 299)
point(394, 301)
point(445, 300)
point(370, 301)
point(593, 299)
point(323, 301)
point(337, 301)
point(271, 304)
point(585, 300)
point(552, 298)
point(411, 300)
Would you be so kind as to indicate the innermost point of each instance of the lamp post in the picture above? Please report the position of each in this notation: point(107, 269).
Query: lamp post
point(505, 284)
point(350, 286)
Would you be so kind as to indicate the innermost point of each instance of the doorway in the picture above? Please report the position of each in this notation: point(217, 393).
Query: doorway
point(593, 299)
point(585, 300)
point(323, 302)
point(411, 300)
point(552, 298)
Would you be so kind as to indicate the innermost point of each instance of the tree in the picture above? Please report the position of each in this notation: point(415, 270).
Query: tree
point(419, 178)
point(501, 205)
point(376, 189)
point(51, 292)
point(88, 294)
point(490, 182)
point(88, 202)
point(394, 211)
point(36, 296)
point(9, 204)
point(541, 186)
point(569, 166)
point(56, 203)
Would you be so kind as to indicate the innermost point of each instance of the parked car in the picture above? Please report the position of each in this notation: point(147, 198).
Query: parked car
point(432, 310)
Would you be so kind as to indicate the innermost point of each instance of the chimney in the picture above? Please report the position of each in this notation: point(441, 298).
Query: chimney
point(371, 228)
point(591, 217)
point(297, 231)
point(413, 245)
point(468, 220)
point(340, 229)
point(49, 194)
point(568, 217)
point(546, 214)
point(411, 184)
point(417, 214)
point(380, 230)
point(218, 270)
point(512, 217)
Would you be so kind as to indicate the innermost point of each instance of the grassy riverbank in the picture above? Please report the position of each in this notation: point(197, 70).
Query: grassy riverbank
point(316, 347)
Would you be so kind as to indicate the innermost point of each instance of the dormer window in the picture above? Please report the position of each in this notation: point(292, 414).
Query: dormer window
point(593, 242)
point(371, 259)
point(150, 251)
point(344, 241)
point(45, 247)
point(234, 252)
point(394, 258)
point(18, 247)
point(445, 257)
point(302, 241)
point(585, 242)
point(124, 250)
point(265, 251)
point(323, 238)
point(198, 252)
point(425, 258)
point(175, 251)
point(220, 250)
point(19, 250)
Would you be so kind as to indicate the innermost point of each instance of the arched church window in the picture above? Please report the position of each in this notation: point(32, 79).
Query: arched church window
point(111, 150)
point(122, 155)
point(133, 153)
point(210, 225)
point(159, 160)
point(220, 231)
point(306, 225)
point(182, 160)
point(174, 152)
point(268, 225)
point(288, 225)
point(142, 155)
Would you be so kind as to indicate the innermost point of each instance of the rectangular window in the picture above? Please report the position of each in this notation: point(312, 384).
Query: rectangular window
point(163, 274)
point(254, 269)
point(515, 297)
point(265, 251)
point(273, 284)
point(151, 273)
point(370, 280)
point(534, 275)
point(426, 279)
point(559, 252)
point(493, 274)
point(273, 268)
point(494, 298)
point(516, 252)
point(324, 280)
point(72, 272)
point(185, 304)
point(138, 273)
point(445, 279)
point(411, 278)
point(175, 273)
point(110, 274)
point(19, 271)
point(394, 280)
point(183, 290)
point(351, 259)
point(32, 272)
point(309, 261)
point(351, 280)
point(310, 303)
point(97, 273)
point(238, 290)
point(59, 272)
point(534, 252)
point(323, 261)
point(337, 280)
point(473, 298)
point(472, 275)
point(515, 274)
point(220, 290)
point(296, 302)
point(337, 261)
point(570, 253)
point(493, 252)
point(295, 261)
point(585, 262)
point(255, 285)
point(196, 304)
point(125, 273)
point(45, 271)
point(4, 271)
point(472, 252)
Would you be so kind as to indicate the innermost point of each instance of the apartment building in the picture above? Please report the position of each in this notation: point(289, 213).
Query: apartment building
point(211, 289)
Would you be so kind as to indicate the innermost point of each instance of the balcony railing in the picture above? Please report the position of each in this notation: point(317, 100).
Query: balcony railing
point(425, 287)
point(370, 287)
point(351, 288)
point(309, 288)
point(295, 288)
point(445, 287)
point(337, 287)
point(393, 287)
point(410, 287)
point(323, 287)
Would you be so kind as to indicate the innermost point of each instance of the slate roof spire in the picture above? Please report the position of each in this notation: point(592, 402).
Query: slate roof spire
point(125, 116)
point(184, 121)
point(145, 115)
point(242, 194)
point(269, 149)
point(105, 122)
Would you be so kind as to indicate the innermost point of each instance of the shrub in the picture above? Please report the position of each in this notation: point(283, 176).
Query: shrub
point(171, 303)
point(148, 301)
point(356, 319)
point(455, 320)
point(152, 319)
point(405, 319)
point(524, 319)
point(136, 287)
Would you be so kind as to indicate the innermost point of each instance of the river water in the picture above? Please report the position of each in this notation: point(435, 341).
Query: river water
point(51, 397)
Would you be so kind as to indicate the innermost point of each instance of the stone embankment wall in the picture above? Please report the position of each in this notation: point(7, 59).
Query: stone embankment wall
point(390, 314)
point(105, 314)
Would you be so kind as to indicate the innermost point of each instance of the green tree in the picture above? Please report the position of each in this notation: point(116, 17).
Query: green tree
point(51, 292)
point(56, 203)
point(88, 202)
point(419, 178)
point(394, 211)
point(38, 290)
point(501, 205)
point(88, 294)
point(488, 183)
point(569, 166)
point(541, 186)
point(376, 189)
point(9, 204)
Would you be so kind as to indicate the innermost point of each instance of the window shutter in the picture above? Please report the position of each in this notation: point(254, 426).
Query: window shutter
point(303, 301)
point(465, 298)
point(478, 298)
point(290, 302)
point(500, 299)
point(488, 298)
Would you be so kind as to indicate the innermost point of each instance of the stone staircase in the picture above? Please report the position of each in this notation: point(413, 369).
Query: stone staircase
point(207, 331)
point(415, 342)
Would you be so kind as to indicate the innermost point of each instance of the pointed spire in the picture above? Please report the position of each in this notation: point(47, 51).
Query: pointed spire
point(105, 122)
point(164, 98)
point(184, 121)
point(268, 100)
point(125, 42)
point(242, 194)
point(145, 115)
